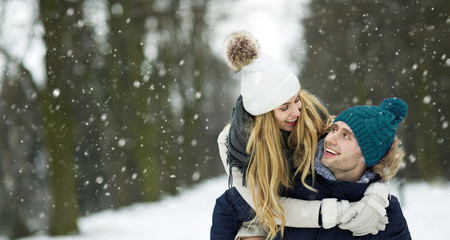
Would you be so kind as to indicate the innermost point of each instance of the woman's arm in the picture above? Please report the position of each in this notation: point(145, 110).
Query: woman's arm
point(221, 141)
point(369, 214)
point(298, 213)
point(306, 214)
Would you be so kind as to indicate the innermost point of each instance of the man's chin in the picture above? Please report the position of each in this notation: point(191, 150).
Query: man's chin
point(327, 161)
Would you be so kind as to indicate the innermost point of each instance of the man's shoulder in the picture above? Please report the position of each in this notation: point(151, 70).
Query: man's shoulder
point(394, 206)
point(394, 202)
point(397, 226)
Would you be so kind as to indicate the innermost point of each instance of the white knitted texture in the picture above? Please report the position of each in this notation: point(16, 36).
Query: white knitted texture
point(266, 85)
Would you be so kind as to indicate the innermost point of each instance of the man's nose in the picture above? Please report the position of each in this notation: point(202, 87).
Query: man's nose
point(332, 137)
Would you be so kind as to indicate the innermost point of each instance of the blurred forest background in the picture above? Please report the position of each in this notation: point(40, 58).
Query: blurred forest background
point(128, 98)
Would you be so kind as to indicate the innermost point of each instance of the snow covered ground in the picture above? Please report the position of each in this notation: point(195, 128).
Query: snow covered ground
point(188, 216)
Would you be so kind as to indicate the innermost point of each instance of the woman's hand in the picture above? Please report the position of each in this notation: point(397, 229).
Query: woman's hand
point(369, 214)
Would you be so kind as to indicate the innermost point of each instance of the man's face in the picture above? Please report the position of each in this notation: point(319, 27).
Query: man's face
point(287, 114)
point(342, 154)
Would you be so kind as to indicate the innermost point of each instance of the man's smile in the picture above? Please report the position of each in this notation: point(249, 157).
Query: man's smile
point(331, 152)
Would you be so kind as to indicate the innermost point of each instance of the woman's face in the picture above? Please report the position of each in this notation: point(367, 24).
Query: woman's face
point(286, 115)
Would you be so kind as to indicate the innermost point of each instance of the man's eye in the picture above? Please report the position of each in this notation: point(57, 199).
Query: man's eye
point(346, 136)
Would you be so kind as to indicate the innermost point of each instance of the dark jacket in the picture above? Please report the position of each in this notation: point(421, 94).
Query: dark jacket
point(396, 229)
point(229, 212)
point(231, 209)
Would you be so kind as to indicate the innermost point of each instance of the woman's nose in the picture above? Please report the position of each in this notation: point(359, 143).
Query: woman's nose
point(295, 112)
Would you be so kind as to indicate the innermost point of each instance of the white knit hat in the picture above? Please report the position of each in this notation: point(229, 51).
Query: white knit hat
point(265, 83)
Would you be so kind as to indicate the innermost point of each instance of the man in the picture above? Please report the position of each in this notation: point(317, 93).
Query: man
point(359, 149)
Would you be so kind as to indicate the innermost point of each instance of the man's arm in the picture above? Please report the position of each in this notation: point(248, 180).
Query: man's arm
point(225, 219)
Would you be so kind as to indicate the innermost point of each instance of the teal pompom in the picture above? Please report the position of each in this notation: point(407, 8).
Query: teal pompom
point(397, 107)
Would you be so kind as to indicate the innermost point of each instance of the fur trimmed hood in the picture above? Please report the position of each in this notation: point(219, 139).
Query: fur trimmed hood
point(391, 162)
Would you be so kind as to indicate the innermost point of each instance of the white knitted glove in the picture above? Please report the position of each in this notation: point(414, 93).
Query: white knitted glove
point(332, 211)
point(369, 214)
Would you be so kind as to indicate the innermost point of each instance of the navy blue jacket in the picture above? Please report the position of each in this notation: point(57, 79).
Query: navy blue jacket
point(231, 209)
point(396, 229)
point(229, 212)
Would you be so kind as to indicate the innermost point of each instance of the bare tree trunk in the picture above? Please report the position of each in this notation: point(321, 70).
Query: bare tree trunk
point(16, 162)
point(58, 110)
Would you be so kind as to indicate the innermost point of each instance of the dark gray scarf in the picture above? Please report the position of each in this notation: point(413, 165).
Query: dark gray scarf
point(237, 139)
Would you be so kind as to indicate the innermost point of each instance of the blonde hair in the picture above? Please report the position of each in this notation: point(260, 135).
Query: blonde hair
point(268, 172)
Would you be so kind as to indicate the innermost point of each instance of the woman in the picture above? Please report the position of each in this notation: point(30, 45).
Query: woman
point(273, 134)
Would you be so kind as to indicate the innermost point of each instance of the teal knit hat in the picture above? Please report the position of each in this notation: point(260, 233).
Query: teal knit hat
point(375, 126)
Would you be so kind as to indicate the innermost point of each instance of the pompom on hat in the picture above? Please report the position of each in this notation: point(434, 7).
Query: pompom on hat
point(265, 83)
point(375, 126)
